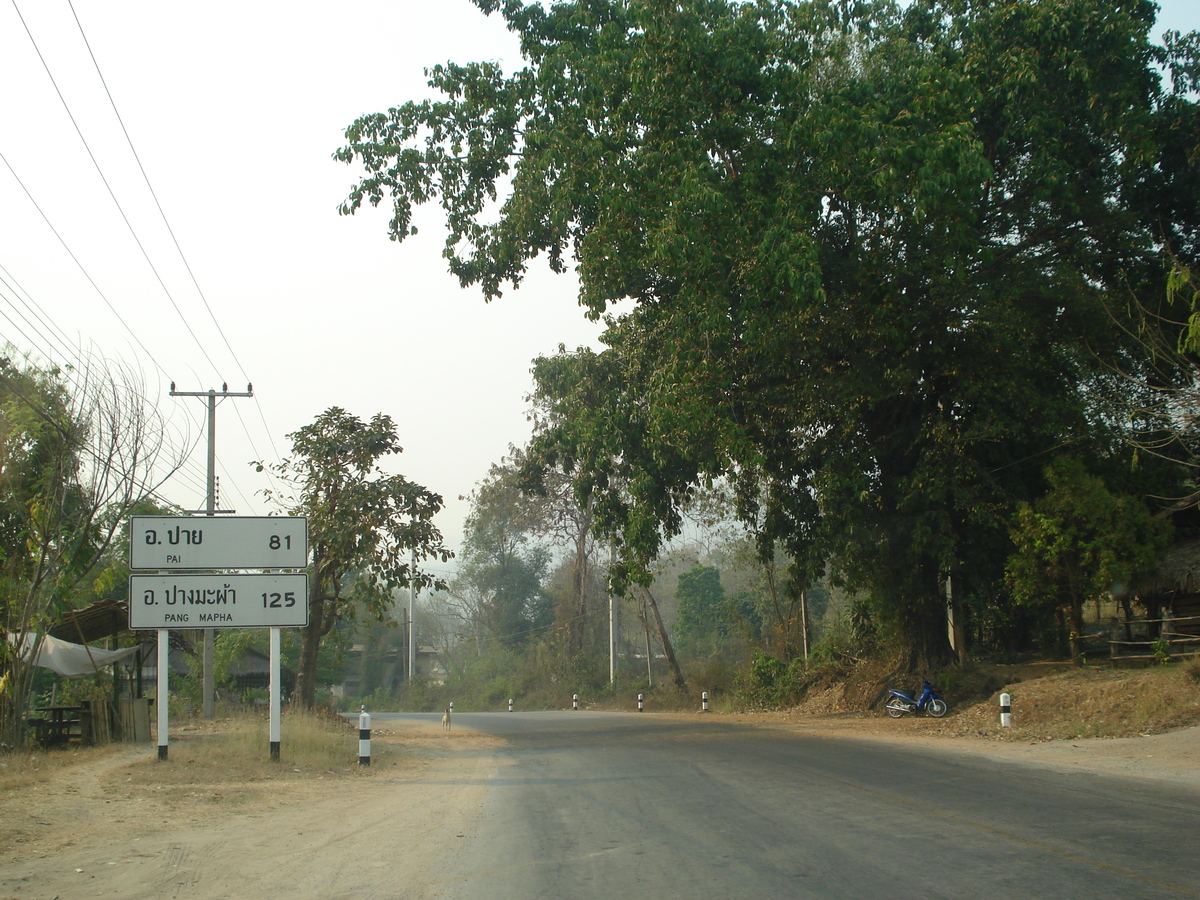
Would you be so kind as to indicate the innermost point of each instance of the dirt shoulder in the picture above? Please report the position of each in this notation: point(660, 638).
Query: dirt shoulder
point(1172, 756)
point(120, 823)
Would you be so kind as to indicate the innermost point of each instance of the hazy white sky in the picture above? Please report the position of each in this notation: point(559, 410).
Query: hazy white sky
point(234, 109)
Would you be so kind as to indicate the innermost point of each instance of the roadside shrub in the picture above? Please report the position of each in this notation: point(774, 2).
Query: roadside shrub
point(764, 682)
point(1192, 670)
point(714, 674)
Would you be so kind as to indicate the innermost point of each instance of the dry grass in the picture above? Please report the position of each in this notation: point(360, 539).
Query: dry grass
point(1099, 703)
point(232, 750)
point(1049, 701)
point(24, 768)
point(238, 747)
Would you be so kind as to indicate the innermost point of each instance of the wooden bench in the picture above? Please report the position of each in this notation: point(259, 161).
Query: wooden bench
point(55, 725)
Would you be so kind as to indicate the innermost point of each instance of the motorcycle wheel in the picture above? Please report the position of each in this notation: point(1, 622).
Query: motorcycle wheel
point(896, 707)
point(936, 707)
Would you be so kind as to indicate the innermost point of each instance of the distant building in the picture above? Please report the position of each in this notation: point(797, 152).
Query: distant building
point(394, 664)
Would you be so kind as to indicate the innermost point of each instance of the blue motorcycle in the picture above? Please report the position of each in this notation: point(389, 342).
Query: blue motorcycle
point(929, 701)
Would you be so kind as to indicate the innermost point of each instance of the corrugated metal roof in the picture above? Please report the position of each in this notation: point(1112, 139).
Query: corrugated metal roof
point(1178, 570)
point(102, 619)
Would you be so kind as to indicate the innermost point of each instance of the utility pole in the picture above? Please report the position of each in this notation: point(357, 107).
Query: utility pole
point(412, 614)
point(613, 629)
point(209, 688)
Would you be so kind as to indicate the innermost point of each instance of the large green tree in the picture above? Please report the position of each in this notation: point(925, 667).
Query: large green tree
point(861, 253)
point(367, 529)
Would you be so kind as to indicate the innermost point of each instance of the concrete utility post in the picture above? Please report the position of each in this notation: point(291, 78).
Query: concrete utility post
point(613, 626)
point(211, 510)
point(412, 614)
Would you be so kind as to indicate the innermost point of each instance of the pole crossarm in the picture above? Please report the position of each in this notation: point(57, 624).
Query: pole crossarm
point(224, 392)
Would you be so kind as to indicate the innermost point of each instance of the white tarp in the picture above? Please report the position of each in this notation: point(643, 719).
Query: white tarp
point(67, 659)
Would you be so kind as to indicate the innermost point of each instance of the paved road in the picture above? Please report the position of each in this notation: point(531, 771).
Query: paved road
point(610, 805)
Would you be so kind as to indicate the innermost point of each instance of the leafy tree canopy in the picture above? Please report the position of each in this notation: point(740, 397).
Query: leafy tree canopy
point(862, 252)
point(702, 612)
point(504, 567)
point(1080, 541)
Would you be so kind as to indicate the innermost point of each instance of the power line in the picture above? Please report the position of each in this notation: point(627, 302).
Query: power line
point(75, 259)
point(154, 195)
point(74, 369)
point(17, 327)
point(84, 449)
point(70, 354)
point(175, 241)
point(56, 335)
point(43, 337)
point(112, 194)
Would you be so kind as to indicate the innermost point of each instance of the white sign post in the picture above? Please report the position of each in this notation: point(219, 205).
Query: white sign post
point(273, 736)
point(165, 600)
point(164, 659)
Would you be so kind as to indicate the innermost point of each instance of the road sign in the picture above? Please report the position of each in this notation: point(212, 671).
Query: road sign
point(254, 600)
point(218, 542)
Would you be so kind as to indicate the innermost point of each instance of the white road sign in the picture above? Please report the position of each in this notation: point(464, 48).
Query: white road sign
point(255, 600)
point(218, 542)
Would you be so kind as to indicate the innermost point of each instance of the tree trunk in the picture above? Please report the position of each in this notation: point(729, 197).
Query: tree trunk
point(676, 672)
point(783, 623)
point(958, 631)
point(1128, 616)
point(1077, 632)
point(804, 622)
point(922, 610)
point(310, 642)
point(579, 585)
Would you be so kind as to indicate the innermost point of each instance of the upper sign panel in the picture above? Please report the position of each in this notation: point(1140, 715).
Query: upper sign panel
point(218, 542)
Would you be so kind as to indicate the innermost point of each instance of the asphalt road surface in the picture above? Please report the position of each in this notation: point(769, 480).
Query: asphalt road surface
point(619, 805)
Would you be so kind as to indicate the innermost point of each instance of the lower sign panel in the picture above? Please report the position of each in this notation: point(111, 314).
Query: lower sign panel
point(218, 601)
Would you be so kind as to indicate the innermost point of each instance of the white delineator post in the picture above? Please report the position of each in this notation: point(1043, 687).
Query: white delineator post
point(574, 701)
point(1005, 710)
point(364, 737)
point(510, 704)
point(704, 701)
point(274, 696)
point(639, 702)
point(164, 661)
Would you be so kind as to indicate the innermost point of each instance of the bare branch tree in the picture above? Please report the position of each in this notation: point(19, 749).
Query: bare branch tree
point(79, 453)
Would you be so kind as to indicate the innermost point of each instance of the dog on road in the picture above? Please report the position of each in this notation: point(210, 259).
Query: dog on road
point(446, 721)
